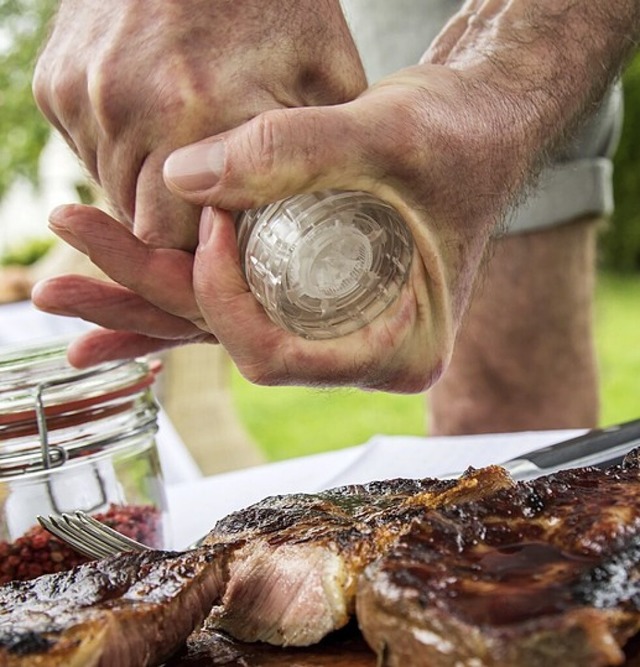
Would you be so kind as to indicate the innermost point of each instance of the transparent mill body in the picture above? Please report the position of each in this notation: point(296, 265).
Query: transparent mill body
point(325, 264)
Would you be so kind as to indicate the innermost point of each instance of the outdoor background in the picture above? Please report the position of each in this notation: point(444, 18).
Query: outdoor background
point(286, 422)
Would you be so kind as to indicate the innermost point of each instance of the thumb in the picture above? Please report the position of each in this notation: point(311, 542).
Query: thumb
point(277, 154)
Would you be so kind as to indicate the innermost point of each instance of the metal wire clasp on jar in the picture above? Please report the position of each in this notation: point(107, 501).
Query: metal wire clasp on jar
point(75, 440)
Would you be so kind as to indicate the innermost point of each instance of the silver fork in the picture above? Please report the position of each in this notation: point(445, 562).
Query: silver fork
point(89, 536)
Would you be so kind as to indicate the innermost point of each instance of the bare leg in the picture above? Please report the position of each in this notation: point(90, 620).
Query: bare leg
point(525, 358)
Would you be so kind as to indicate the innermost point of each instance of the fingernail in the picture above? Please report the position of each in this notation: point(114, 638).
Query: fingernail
point(206, 225)
point(36, 291)
point(56, 215)
point(197, 167)
point(62, 231)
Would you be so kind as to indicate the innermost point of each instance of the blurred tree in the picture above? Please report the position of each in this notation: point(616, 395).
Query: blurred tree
point(620, 243)
point(23, 130)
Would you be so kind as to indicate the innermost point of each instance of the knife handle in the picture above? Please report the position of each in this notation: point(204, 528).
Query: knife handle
point(588, 444)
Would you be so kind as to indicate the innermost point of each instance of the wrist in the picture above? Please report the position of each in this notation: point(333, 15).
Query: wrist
point(549, 62)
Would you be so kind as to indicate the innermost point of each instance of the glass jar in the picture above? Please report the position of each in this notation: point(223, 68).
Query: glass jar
point(75, 440)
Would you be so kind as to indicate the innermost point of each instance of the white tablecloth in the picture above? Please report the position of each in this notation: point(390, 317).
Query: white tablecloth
point(195, 505)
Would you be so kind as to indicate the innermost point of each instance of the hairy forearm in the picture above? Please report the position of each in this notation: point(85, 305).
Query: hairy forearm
point(552, 59)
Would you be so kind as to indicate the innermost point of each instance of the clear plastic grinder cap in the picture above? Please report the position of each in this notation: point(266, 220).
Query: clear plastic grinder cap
point(327, 263)
point(330, 262)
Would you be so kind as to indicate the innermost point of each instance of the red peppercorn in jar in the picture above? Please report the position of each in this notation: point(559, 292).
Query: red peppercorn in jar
point(74, 440)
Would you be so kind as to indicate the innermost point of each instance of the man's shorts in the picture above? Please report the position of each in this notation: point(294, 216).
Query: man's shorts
point(394, 34)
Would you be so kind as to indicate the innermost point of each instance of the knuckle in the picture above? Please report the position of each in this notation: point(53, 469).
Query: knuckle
point(40, 87)
point(55, 90)
point(274, 152)
point(261, 143)
point(154, 102)
point(112, 90)
point(105, 100)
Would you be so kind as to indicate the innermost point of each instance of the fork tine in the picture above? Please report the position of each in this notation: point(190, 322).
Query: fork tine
point(88, 536)
point(111, 538)
point(60, 527)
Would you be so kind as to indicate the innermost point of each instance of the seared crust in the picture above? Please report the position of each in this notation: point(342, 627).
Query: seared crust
point(542, 573)
point(131, 609)
point(352, 517)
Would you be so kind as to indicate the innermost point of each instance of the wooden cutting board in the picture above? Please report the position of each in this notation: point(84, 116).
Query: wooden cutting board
point(343, 649)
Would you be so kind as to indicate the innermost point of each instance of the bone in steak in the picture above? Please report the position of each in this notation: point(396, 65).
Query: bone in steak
point(293, 561)
point(474, 572)
point(544, 573)
point(129, 610)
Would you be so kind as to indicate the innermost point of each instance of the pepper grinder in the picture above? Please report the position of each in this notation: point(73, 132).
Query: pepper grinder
point(327, 263)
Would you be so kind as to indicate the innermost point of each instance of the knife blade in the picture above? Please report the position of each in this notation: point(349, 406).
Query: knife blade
point(599, 447)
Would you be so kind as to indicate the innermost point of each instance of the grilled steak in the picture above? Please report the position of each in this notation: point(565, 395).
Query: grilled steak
point(127, 610)
point(543, 573)
point(293, 561)
point(283, 570)
point(474, 572)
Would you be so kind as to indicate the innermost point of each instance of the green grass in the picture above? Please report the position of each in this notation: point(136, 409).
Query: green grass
point(618, 340)
point(26, 252)
point(291, 421)
point(288, 421)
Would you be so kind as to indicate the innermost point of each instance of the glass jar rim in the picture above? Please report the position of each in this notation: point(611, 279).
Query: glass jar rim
point(24, 371)
point(42, 394)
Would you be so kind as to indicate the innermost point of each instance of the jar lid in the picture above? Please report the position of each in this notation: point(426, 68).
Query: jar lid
point(47, 406)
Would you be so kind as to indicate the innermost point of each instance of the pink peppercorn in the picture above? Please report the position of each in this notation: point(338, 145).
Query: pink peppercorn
point(37, 552)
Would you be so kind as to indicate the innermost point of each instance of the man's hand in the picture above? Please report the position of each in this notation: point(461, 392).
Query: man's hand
point(449, 143)
point(128, 82)
point(409, 160)
point(154, 305)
